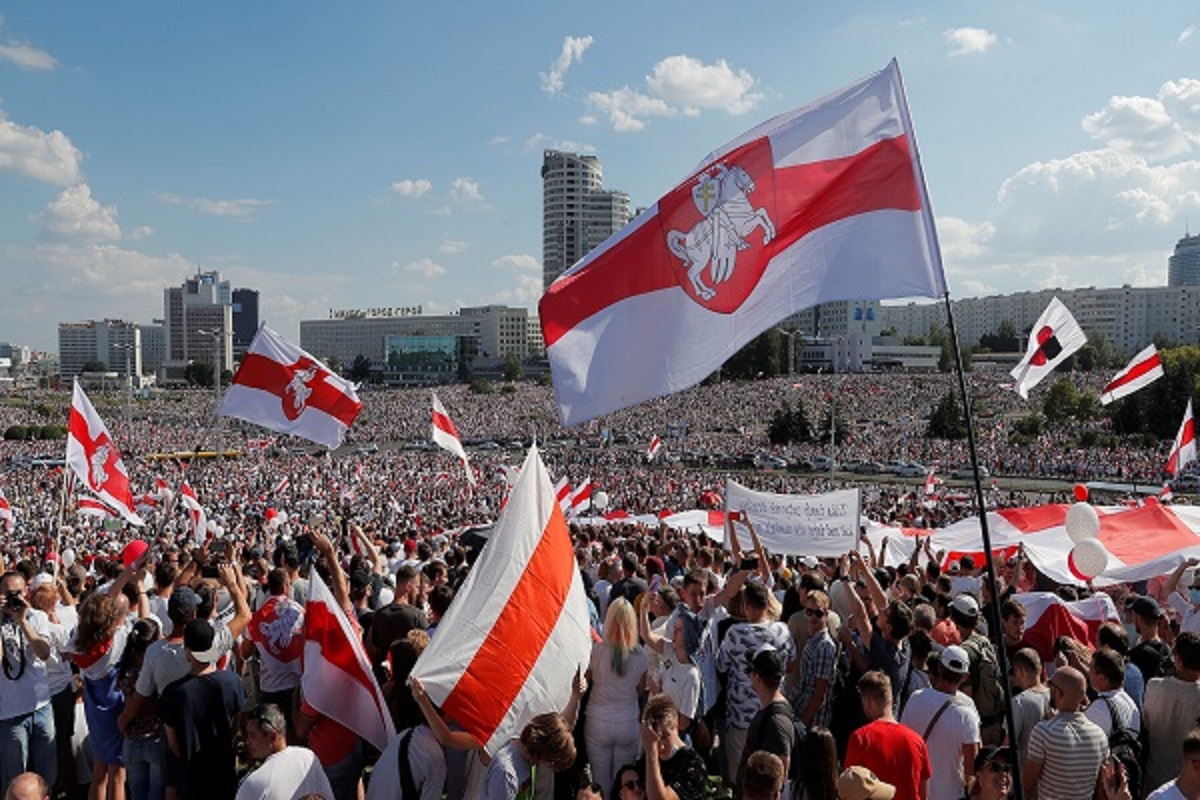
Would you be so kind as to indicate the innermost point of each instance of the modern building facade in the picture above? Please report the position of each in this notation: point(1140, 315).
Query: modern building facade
point(577, 212)
point(1183, 267)
point(245, 320)
point(114, 344)
point(198, 319)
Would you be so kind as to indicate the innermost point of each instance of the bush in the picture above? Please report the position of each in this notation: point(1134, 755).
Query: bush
point(480, 386)
point(1030, 427)
point(52, 432)
point(15, 433)
point(508, 388)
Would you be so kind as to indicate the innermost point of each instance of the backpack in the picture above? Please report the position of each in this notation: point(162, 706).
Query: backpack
point(1125, 746)
point(986, 689)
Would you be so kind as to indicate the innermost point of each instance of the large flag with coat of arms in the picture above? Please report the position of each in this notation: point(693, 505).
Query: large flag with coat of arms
point(819, 204)
point(93, 458)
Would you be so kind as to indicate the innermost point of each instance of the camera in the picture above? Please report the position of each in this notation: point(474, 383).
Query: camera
point(13, 599)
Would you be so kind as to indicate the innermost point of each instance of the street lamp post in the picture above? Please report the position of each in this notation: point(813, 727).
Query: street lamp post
point(792, 334)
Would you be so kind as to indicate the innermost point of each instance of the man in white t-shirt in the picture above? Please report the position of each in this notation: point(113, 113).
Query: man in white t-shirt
point(285, 772)
point(1185, 601)
point(1112, 704)
point(948, 722)
point(1187, 785)
point(26, 720)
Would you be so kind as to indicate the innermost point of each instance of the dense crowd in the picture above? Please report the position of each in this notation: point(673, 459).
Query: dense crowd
point(156, 662)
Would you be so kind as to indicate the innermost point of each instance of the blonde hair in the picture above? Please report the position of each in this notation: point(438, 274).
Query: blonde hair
point(620, 632)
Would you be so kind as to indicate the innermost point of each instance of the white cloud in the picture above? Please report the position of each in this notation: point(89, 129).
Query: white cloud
point(1186, 34)
point(452, 247)
point(47, 157)
point(141, 232)
point(527, 291)
point(425, 267)
point(969, 41)
point(540, 141)
point(692, 85)
point(411, 188)
point(75, 214)
point(961, 240)
point(1138, 125)
point(26, 56)
point(466, 190)
point(518, 262)
point(573, 48)
point(244, 208)
point(626, 108)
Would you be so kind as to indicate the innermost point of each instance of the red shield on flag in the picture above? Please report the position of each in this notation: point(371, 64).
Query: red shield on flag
point(718, 226)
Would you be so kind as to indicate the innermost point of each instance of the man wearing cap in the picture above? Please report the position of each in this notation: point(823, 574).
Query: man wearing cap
point(772, 728)
point(198, 712)
point(1067, 750)
point(859, 783)
point(1186, 602)
point(1151, 655)
point(993, 774)
point(984, 687)
point(948, 722)
point(894, 752)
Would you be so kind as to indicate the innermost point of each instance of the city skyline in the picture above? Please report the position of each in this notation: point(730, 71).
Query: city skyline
point(391, 156)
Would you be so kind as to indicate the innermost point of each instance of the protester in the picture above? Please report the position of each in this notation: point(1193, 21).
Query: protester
point(858, 783)
point(993, 774)
point(947, 721)
point(26, 719)
point(617, 675)
point(1171, 711)
point(284, 772)
point(894, 752)
point(1067, 750)
point(772, 728)
point(763, 777)
point(1186, 784)
point(669, 763)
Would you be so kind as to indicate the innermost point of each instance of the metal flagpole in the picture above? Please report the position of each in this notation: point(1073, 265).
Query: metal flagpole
point(997, 636)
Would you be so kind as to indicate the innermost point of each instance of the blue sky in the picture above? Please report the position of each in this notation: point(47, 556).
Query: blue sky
point(388, 153)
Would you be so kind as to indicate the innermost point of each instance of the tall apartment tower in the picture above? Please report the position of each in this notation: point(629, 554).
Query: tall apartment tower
point(577, 213)
point(198, 318)
point(1183, 268)
point(245, 320)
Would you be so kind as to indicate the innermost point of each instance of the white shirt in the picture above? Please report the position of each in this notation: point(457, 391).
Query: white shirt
point(292, 772)
point(1189, 615)
point(23, 690)
point(958, 726)
point(1123, 709)
point(426, 760)
point(1168, 791)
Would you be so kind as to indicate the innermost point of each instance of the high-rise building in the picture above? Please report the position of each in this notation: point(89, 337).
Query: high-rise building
point(154, 346)
point(113, 344)
point(198, 317)
point(1183, 267)
point(245, 320)
point(577, 213)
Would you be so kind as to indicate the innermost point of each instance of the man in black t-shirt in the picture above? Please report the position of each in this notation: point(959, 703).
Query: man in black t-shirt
point(772, 728)
point(1151, 654)
point(668, 762)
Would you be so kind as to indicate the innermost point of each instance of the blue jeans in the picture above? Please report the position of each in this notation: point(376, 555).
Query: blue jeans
point(27, 745)
point(144, 759)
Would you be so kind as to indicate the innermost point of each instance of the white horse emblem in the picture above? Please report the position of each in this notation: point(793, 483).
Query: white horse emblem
point(721, 196)
point(99, 460)
point(299, 388)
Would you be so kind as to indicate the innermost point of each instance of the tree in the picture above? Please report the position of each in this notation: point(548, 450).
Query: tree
point(1061, 401)
point(946, 420)
point(789, 426)
point(1003, 341)
point(360, 370)
point(763, 356)
point(199, 373)
point(512, 368)
point(94, 366)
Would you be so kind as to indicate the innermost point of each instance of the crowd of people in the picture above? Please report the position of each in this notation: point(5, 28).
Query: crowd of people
point(153, 662)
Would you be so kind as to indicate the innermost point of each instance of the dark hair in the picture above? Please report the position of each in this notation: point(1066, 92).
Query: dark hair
point(629, 563)
point(876, 684)
point(277, 581)
point(1113, 636)
point(1110, 664)
point(1191, 743)
point(1012, 608)
point(145, 633)
point(763, 776)
point(268, 718)
point(920, 643)
point(1027, 658)
point(818, 764)
point(165, 574)
point(900, 619)
point(440, 598)
point(1187, 650)
point(208, 600)
point(616, 787)
point(756, 595)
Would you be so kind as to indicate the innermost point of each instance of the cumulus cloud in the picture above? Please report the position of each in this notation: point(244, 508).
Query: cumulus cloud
point(626, 108)
point(1186, 34)
point(452, 247)
point(75, 214)
point(961, 240)
point(540, 141)
point(244, 208)
point(969, 41)
point(26, 56)
point(411, 188)
point(518, 262)
point(526, 292)
point(693, 85)
point(425, 268)
point(1157, 128)
point(34, 153)
point(573, 48)
point(466, 190)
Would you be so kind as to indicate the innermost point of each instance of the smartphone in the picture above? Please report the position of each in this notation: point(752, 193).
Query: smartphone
point(749, 563)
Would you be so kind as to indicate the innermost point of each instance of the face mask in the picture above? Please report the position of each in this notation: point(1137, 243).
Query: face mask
point(1194, 595)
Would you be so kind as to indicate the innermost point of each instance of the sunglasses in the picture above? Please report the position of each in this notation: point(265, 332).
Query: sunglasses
point(1000, 767)
point(815, 613)
point(632, 784)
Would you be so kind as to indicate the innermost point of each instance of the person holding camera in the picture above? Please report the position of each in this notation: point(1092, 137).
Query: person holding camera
point(26, 719)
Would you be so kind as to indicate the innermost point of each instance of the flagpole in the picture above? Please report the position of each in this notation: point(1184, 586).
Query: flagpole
point(997, 636)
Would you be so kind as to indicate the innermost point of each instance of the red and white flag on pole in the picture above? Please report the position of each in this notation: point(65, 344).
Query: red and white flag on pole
point(653, 448)
point(932, 481)
point(562, 493)
point(581, 497)
point(1167, 493)
point(819, 204)
point(90, 507)
point(1055, 336)
point(521, 620)
point(337, 678)
point(283, 388)
point(282, 485)
point(93, 458)
point(1145, 368)
point(1184, 449)
point(445, 436)
point(195, 511)
point(8, 518)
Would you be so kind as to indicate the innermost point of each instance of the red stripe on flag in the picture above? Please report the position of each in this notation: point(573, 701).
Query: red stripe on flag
point(260, 372)
point(502, 665)
point(442, 422)
point(322, 628)
point(1137, 371)
point(807, 197)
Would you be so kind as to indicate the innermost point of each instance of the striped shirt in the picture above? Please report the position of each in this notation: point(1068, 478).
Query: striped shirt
point(1071, 749)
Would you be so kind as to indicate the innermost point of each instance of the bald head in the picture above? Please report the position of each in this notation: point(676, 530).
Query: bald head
point(1071, 686)
point(27, 786)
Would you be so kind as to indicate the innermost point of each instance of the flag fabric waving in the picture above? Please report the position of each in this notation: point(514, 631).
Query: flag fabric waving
point(1184, 449)
point(93, 458)
point(90, 507)
point(283, 388)
point(196, 515)
point(8, 519)
point(562, 493)
point(580, 498)
point(1055, 336)
point(653, 448)
point(1145, 368)
point(521, 621)
point(445, 436)
point(337, 678)
point(823, 203)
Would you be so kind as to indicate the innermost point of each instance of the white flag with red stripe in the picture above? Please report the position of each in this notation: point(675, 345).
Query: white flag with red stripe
point(562, 493)
point(1048, 617)
point(653, 448)
point(8, 518)
point(1145, 368)
point(932, 481)
point(283, 388)
point(520, 621)
point(1184, 450)
point(90, 507)
point(819, 204)
point(581, 497)
point(195, 511)
point(93, 457)
point(1166, 493)
point(337, 678)
point(445, 436)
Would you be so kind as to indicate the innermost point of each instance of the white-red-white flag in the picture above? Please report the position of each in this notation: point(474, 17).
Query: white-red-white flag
point(932, 481)
point(282, 485)
point(581, 497)
point(445, 436)
point(1145, 368)
point(8, 517)
point(653, 448)
point(521, 621)
point(195, 512)
point(1184, 449)
point(819, 204)
point(93, 457)
point(562, 493)
point(90, 507)
point(1055, 336)
point(337, 678)
point(1167, 493)
point(283, 388)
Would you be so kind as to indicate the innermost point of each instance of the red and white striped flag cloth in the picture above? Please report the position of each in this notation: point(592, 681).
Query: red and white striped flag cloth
point(337, 678)
point(521, 620)
point(283, 388)
point(562, 493)
point(1145, 368)
point(1048, 616)
point(282, 485)
point(196, 515)
point(91, 507)
point(653, 448)
point(581, 497)
point(819, 204)
point(1184, 450)
point(932, 481)
point(93, 457)
point(8, 517)
point(445, 436)
point(1167, 493)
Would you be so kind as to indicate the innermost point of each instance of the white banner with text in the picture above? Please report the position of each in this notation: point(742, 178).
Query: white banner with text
point(821, 525)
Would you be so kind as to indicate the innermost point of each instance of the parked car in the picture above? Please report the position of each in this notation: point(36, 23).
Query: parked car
point(912, 470)
point(821, 463)
point(966, 473)
point(766, 461)
point(894, 467)
point(870, 468)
